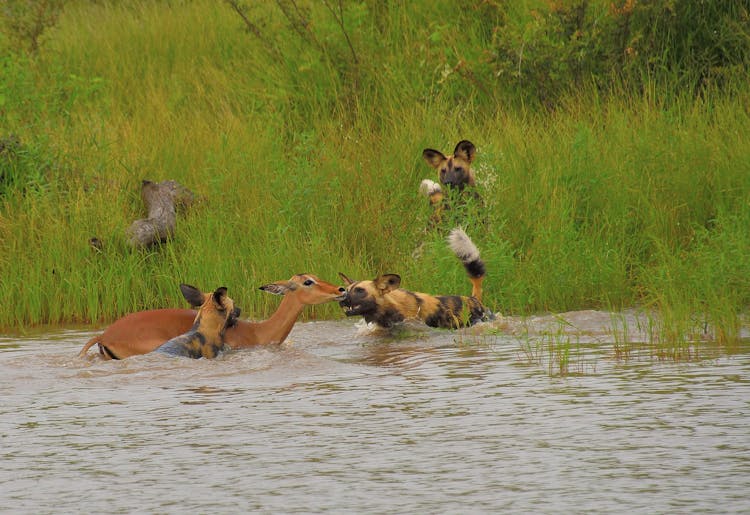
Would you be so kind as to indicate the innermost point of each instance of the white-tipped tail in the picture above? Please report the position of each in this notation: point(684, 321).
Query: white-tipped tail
point(468, 253)
point(462, 246)
point(428, 187)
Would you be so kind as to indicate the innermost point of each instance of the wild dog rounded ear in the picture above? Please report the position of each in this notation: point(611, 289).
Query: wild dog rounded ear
point(465, 149)
point(433, 157)
point(220, 296)
point(193, 295)
point(387, 282)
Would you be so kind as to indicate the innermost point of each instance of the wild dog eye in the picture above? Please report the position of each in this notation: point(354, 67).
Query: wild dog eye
point(359, 289)
point(309, 282)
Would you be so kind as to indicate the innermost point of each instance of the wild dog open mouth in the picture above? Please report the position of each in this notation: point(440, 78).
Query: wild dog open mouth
point(349, 309)
point(353, 310)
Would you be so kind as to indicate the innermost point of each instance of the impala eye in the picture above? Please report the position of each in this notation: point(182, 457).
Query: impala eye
point(309, 282)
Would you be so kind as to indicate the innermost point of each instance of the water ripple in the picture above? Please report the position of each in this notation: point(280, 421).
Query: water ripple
point(340, 420)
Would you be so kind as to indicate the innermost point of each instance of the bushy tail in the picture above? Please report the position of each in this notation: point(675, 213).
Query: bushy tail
point(465, 250)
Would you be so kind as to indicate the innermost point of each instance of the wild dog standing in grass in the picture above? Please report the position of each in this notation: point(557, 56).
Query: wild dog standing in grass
point(206, 338)
point(382, 301)
point(454, 173)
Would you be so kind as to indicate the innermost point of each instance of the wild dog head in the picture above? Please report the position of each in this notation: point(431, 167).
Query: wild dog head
point(368, 299)
point(454, 171)
point(216, 313)
point(307, 288)
point(206, 338)
point(197, 298)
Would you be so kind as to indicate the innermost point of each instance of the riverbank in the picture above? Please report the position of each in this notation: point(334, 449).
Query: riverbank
point(602, 202)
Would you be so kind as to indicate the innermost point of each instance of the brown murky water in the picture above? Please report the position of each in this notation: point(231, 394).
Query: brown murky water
point(342, 421)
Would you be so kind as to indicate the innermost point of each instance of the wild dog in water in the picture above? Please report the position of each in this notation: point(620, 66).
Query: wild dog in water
point(206, 338)
point(382, 301)
point(454, 173)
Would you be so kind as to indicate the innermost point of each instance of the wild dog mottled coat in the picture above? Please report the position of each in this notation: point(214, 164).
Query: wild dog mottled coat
point(383, 302)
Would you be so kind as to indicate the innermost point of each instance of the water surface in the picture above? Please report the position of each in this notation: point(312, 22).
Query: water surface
point(339, 420)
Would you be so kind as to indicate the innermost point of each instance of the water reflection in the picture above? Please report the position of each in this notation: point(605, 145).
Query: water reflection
point(342, 420)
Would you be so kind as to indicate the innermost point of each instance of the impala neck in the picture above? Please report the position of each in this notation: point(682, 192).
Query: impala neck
point(276, 328)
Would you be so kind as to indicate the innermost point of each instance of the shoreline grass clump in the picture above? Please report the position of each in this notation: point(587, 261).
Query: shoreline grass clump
point(303, 144)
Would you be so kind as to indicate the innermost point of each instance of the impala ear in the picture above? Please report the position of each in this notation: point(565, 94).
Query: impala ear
point(433, 157)
point(279, 288)
point(346, 280)
point(465, 150)
point(193, 295)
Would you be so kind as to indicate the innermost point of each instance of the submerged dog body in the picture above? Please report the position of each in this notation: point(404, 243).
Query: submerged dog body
point(381, 301)
point(206, 338)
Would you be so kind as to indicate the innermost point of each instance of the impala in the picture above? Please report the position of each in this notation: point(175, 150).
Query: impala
point(144, 331)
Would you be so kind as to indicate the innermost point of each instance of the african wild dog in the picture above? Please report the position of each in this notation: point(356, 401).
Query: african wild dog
point(454, 173)
point(382, 301)
point(206, 338)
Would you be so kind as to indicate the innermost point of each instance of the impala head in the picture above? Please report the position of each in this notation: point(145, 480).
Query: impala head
point(307, 288)
point(364, 297)
point(198, 299)
point(453, 171)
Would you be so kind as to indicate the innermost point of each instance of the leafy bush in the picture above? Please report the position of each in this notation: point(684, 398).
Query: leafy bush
point(679, 43)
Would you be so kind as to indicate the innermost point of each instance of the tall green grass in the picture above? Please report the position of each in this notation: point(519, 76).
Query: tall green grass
point(303, 160)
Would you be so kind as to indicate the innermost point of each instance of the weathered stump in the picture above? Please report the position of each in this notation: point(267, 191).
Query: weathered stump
point(162, 200)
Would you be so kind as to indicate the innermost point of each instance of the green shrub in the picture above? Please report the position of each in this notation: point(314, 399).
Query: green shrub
point(674, 44)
